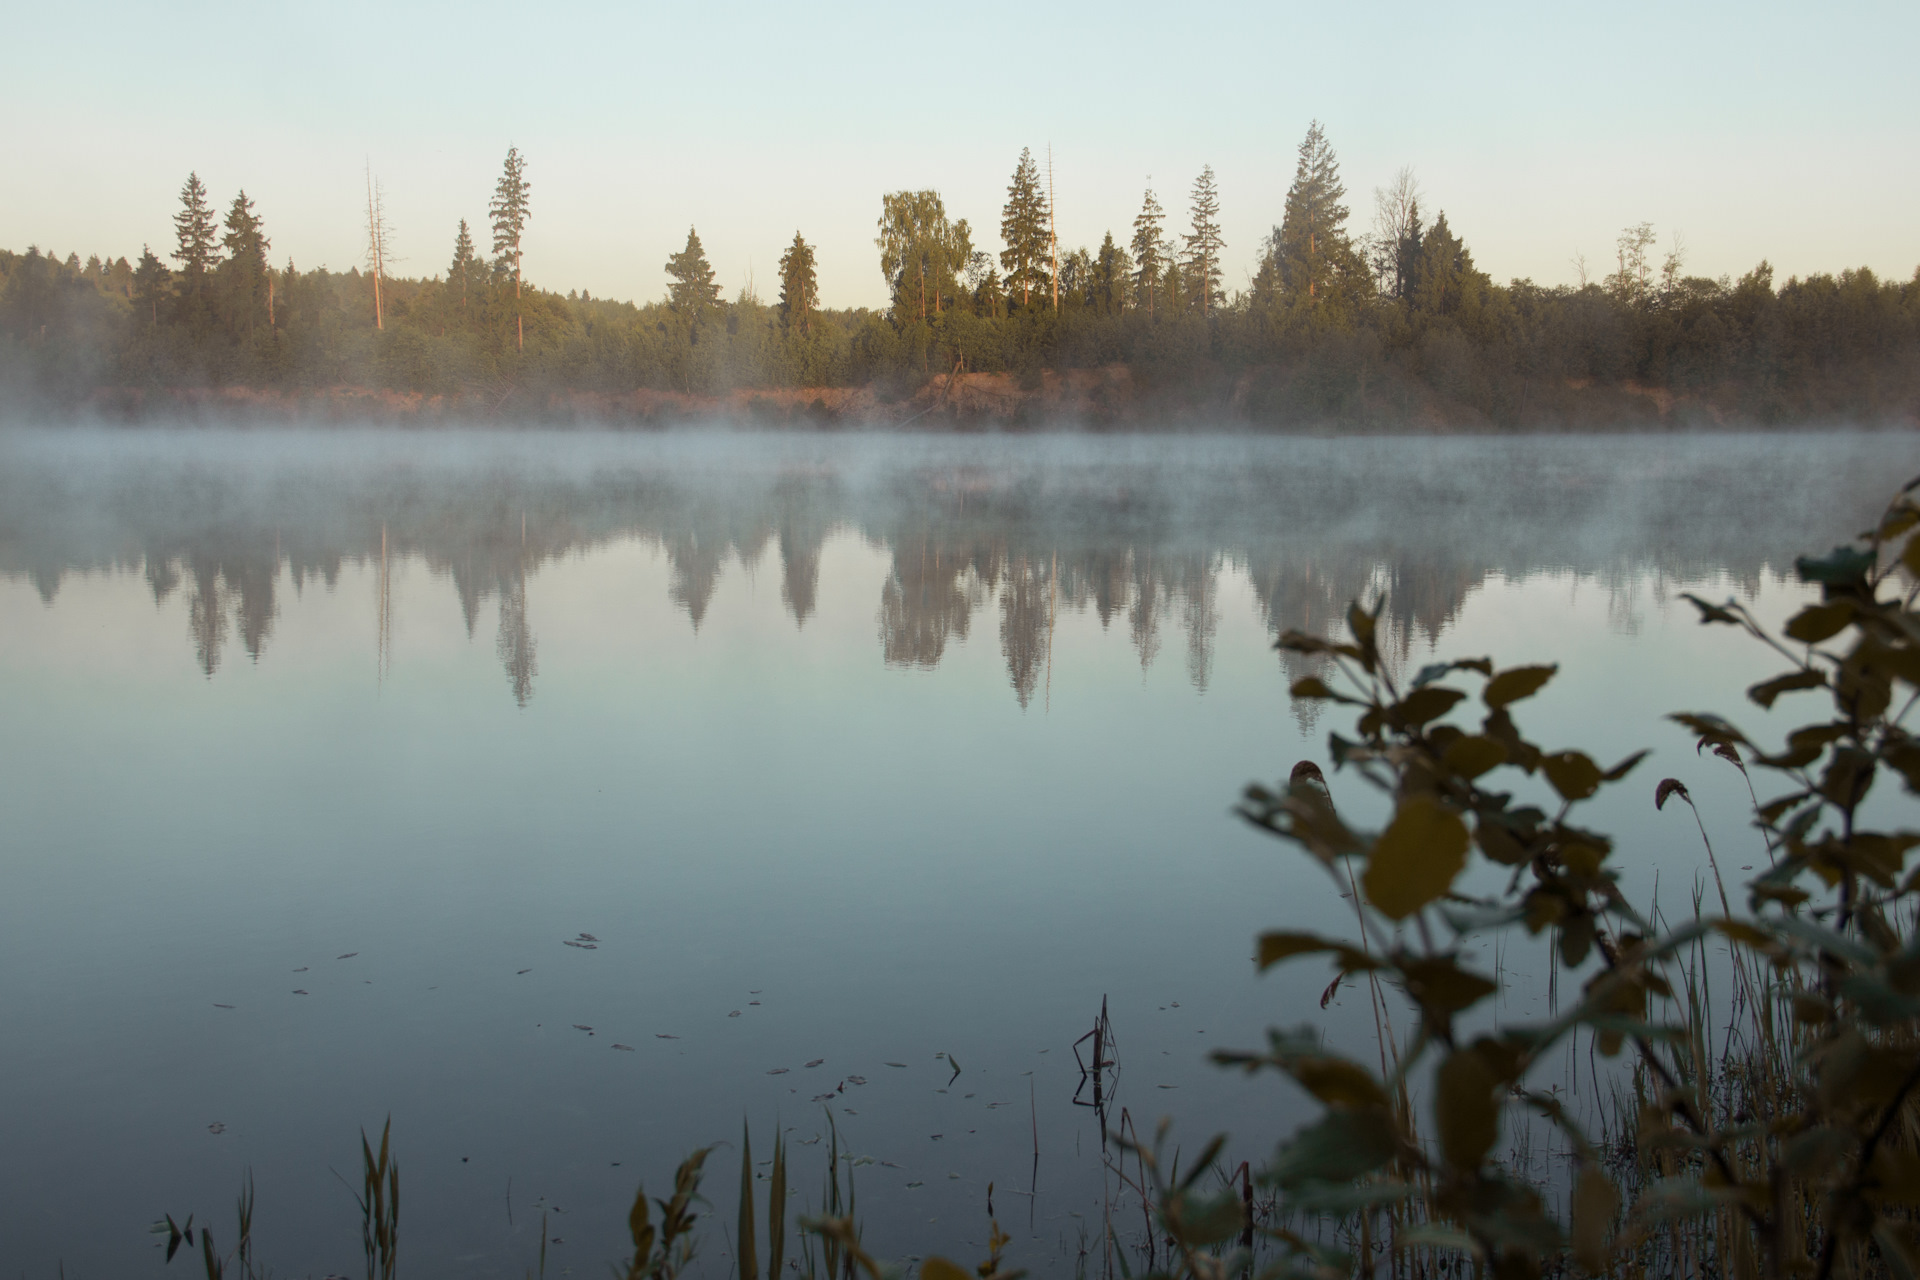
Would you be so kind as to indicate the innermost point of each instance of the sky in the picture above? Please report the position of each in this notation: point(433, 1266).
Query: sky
point(1740, 131)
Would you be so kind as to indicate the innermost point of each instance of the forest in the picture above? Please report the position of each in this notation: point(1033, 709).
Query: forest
point(1388, 326)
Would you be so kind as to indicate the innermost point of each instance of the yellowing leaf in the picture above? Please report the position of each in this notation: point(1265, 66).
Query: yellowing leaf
point(1465, 1108)
point(1595, 1202)
point(938, 1268)
point(1337, 1082)
point(1516, 683)
point(1767, 690)
point(1819, 621)
point(1472, 754)
point(1275, 947)
point(1573, 774)
point(1416, 858)
point(1426, 704)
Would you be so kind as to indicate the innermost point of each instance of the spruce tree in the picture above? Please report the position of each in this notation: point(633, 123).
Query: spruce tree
point(244, 273)
point(1149, 251)
point(463, 273)
point(151, 281)
point(1025, 227)
point(1111, 269)
point(693, 289)
point(196, 245)
point(510, 211)
point(1310, 247)
point(798, 289)
point(1204, 243)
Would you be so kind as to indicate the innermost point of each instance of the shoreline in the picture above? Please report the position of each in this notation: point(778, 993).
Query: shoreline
point(1110, 399)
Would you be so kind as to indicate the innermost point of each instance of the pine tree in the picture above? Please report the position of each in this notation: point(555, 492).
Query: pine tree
point(798, 287)
point(693, 289)
point(244, 273)
point(197, 239)
point(510, 211)
point(1024, 226)
point(1204, 243)
point(150, 284)
point(1149, 251)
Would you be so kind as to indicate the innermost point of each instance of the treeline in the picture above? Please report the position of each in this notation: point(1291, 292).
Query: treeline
point(1395, 323)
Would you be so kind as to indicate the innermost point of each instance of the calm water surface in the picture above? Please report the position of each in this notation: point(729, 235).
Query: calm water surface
point(852, 761)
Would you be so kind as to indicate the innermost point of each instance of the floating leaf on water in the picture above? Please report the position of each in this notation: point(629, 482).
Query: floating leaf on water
point(850, 1111)
point(627, 1047)
point(734, 1014)
point(888, 1164)
point(216, 1127)
point(777, 1071)
point(301, 969)
point(661, 1035)
point(520, 971)
point(816, 1062)
point(896, 1064)
point(856, 1079)
point(350, 955)
point(223, 1006)
point(825, 1097)
point(936, 1137)
point(753, 1002)
point(587, 937)
point(581, 1026)
point(916, 1184)
point(297, 991)
point(584, 946)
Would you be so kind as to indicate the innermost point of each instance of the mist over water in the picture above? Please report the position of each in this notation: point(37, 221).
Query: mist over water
point(844, 748)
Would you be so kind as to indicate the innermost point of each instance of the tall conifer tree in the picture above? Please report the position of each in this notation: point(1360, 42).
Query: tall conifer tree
point(798, 289)
point(244, 273)
point(1204, 243)
point(1025, 226)
point(150, 284)
point(510, 211)
point(1310, 247)
point(196, 235)
point(693, 289)
point(463, 273)
point(1149, 251)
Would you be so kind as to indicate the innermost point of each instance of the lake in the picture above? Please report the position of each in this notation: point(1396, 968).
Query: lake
point(572, 798)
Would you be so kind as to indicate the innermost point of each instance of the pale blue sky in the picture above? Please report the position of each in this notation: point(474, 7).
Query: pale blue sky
point(1753, 130)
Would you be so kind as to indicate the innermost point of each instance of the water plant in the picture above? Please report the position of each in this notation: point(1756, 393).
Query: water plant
point(1807, 1161)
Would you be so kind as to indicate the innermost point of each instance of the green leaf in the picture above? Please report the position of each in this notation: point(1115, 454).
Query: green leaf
point(1278, 946)
point(1343, 1145)
point(1416, 858)
point(1767, 690)
point(1311, 687)
point(1624, 768)
point(1441, 985)
point(1711, 612)
point(1424, 705)
point(1817, 622)
point(1573, 774)
point(1516, 683)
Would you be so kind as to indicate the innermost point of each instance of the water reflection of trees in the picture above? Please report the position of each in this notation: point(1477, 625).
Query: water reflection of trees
point(1144, 550)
